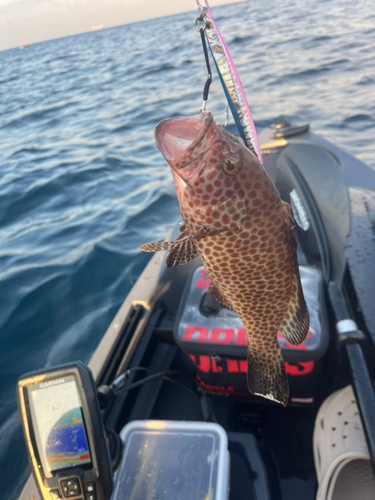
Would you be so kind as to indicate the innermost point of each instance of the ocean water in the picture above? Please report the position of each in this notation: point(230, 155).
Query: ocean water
point(82, 184)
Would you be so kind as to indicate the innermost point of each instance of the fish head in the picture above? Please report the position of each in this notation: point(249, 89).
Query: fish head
point(211, 168)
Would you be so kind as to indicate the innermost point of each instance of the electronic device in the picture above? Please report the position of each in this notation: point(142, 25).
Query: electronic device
point(64, 433)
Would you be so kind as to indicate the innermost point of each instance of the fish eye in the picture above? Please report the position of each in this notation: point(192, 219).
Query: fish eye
point(230, 167)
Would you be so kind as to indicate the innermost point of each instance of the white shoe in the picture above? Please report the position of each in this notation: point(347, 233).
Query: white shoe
point(341, 457)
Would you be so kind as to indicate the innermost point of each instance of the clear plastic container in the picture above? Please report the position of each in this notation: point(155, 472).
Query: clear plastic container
point(167, 460)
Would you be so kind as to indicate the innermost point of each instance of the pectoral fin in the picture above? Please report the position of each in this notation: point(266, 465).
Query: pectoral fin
point(167, 245)
point(182, 250)
point(219, 297)
point(182, 254)
point(296, 321)
point(157, 246)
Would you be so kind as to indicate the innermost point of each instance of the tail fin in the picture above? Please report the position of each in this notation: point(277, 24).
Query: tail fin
point(266, 376)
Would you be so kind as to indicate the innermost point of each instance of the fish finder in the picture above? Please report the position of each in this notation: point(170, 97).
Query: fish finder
point(64, 433)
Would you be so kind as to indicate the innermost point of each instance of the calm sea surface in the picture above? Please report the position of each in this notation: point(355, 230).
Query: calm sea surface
point(82, 184)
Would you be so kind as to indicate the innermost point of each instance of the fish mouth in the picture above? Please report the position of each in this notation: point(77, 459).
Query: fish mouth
point(178, 136)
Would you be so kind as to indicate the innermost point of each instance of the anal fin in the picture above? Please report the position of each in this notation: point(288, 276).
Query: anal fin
point(219, 297)
point(266, 376)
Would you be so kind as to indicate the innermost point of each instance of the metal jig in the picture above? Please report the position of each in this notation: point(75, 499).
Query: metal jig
point(226, 114)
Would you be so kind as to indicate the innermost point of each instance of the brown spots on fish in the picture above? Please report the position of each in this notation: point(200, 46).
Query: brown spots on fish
point(251, 259)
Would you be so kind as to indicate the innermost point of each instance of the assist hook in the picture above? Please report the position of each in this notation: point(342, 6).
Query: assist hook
point(206, 25)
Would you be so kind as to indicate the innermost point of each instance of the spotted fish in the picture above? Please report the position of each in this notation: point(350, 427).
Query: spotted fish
point(235, 220)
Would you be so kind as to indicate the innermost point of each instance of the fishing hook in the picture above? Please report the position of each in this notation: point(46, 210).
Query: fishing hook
point(206, 25)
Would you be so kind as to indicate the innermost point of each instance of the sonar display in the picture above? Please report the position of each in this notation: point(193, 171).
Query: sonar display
point(66, 444)
point(61, 437)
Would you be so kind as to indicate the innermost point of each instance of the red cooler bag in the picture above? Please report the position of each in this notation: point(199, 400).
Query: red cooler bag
point(215, 340)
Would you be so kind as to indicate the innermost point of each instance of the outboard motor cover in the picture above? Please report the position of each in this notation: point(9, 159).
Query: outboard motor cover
point(215, 340)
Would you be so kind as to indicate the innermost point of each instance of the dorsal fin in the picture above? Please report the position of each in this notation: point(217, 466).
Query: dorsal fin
point(296, 321)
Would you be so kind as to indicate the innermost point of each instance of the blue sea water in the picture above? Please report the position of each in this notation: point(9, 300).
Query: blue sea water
point(82, 184)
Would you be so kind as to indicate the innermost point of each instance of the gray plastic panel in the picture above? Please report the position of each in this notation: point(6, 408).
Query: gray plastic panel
point(361, 251)
point(344, 191)
point(321, 172)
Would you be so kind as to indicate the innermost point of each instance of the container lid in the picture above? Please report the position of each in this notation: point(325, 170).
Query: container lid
point(203, 327)
point(166, 460)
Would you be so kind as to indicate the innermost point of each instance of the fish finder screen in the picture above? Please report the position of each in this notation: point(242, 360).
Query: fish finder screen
point(58, 423)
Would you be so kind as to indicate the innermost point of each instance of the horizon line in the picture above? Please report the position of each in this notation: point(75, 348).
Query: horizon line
point(230, 2)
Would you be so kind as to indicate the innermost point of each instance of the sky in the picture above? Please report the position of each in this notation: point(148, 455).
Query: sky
point(39, 20)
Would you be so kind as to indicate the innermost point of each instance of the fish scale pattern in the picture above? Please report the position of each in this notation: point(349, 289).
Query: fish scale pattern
point(251, 259)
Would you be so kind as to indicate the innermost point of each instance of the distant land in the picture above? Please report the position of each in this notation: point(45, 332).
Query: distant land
point(41, 20)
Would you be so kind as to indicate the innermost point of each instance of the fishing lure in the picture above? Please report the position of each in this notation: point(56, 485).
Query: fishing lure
point(230, 80)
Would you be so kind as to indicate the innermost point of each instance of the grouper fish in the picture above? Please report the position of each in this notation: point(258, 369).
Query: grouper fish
point(234, 219)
